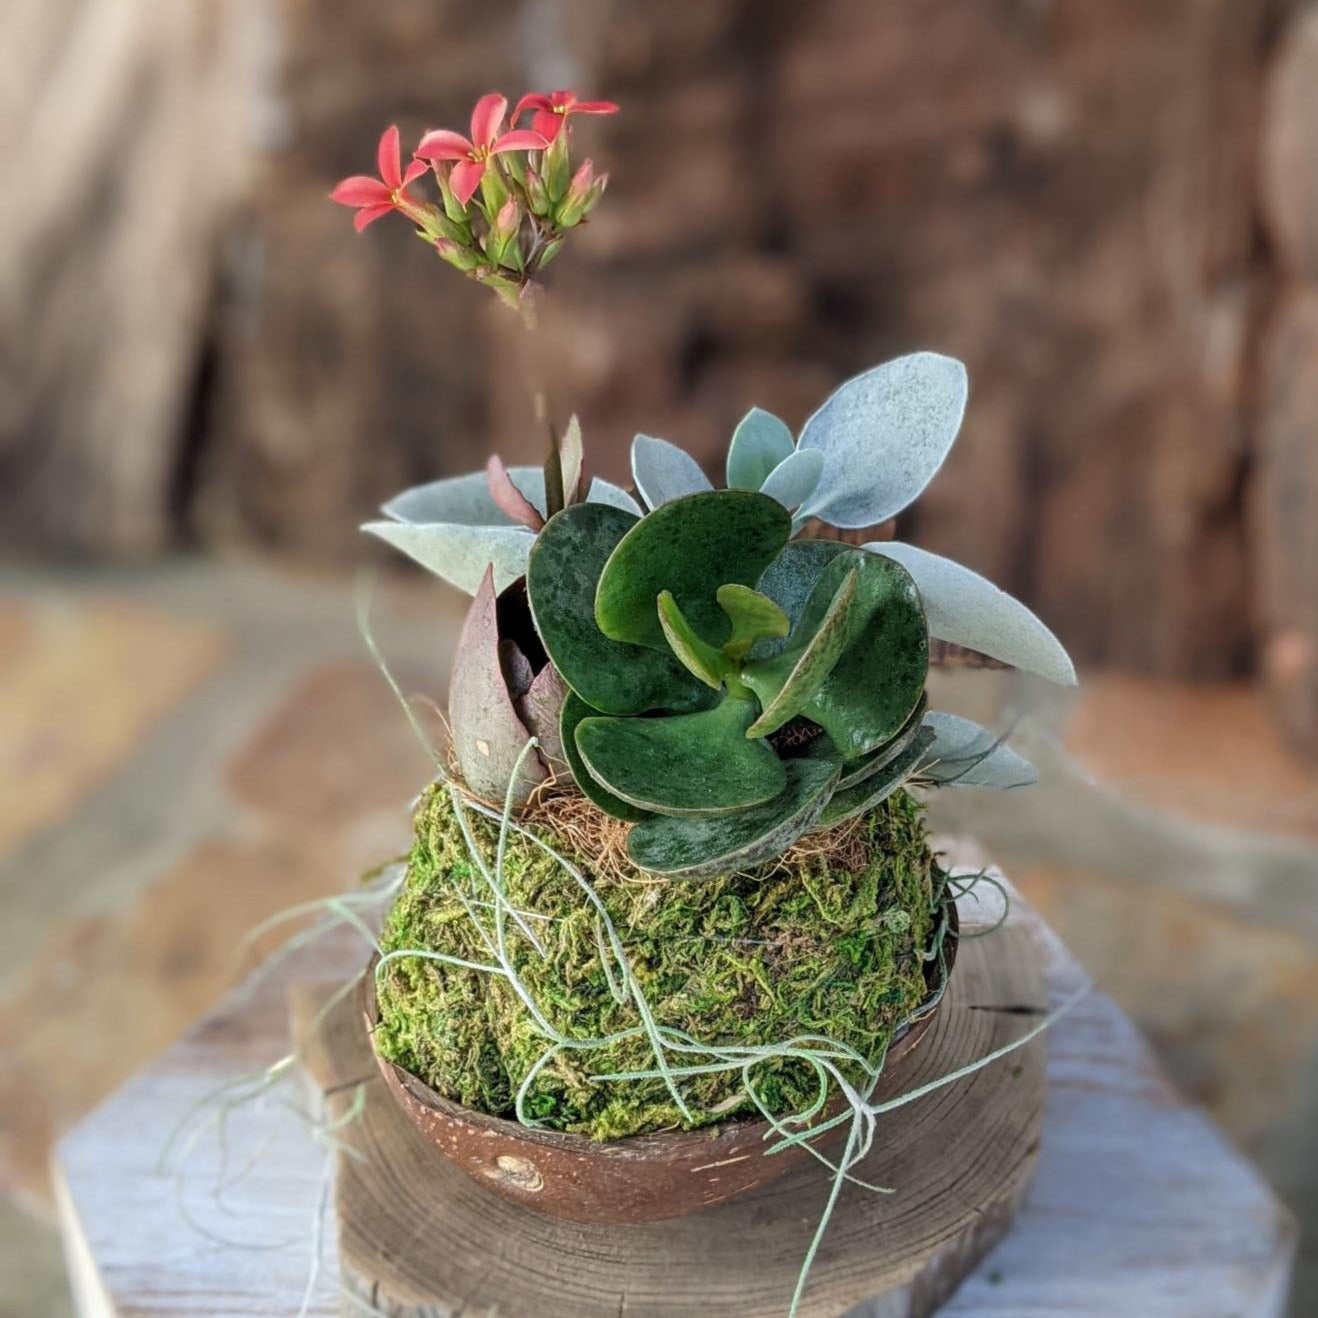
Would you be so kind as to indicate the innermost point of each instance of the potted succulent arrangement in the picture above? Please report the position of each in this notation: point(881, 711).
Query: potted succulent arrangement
point(671, 905)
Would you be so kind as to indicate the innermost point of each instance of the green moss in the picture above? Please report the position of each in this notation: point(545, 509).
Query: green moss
point(752, 958)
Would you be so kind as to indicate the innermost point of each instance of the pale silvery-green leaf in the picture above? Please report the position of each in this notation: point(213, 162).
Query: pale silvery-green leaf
point(464, 500)
point(662, 472)
point(460, 554)
point(760, 443)
point(795, 478)
point(966, 609)
point(602, 491)
point(963, 754)
point(883, 436)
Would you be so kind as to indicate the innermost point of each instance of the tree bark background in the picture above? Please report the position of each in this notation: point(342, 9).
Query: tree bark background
point(1105, 207)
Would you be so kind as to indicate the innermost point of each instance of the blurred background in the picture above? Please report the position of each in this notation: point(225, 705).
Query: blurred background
point(1107, 208)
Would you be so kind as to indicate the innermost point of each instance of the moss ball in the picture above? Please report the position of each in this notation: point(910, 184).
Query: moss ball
point(799, 947)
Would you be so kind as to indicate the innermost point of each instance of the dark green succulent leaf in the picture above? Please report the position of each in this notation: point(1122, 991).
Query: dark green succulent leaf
point(878, 681)
point(789, 580)
point(700, 658)
point(488, 736)
point(561, 579)
point(574, 711)
point(867, 765)
point(786, 682)
point(965, 755)
point(689, 547)
point(685, 764)
point(753, 616)
point(695, 847)
point(875, 789)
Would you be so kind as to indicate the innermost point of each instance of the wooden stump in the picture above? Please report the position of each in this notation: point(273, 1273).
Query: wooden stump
point(419, 1239)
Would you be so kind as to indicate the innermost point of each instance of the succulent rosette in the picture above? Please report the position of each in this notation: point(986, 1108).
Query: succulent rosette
point(698, 669)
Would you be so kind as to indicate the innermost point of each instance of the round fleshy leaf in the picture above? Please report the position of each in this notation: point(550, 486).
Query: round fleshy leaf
point(685, 764)
point(962, 754)
point(574, 711)
point(970, 610)
point(689, 547)
point(663, 472)
point(878, 787)
point(879, 679)
point(488, 736)
point(561, 578)
point(855, 771)
point(464, 500)
point(795, 478)
point(883, 436)
point(459, 553)
point(786, 682)
point(695, 847)
point(789, 580)
point(760, 443)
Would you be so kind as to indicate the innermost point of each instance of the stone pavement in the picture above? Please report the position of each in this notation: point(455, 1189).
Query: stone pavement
point(190, 748)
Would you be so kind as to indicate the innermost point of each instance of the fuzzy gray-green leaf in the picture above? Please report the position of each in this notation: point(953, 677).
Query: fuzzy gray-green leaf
point(970, 610)
point(794, 479)
point(760, 443)
point(883, 436)
point(663, 472)
point(962, 754)
point(685, 764)
point(459, 553)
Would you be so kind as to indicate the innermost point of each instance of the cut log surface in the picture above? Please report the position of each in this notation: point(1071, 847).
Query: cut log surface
point(1138, 1205)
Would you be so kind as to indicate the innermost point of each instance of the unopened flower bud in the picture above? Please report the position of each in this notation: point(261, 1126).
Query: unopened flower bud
point(457, 255)
point(501, 245)
point(573, 205)
point(536, 192)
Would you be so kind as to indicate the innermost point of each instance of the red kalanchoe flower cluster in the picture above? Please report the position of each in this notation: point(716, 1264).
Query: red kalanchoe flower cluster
point(509, 195)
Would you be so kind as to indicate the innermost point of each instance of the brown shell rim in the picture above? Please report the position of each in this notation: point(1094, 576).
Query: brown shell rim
point(657, 1144)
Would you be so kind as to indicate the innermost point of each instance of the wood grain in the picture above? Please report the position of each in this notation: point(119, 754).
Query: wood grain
point(1138, 1205)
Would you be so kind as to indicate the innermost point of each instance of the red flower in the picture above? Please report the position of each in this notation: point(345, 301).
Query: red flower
point(374, 197)
point(472, 155)
point(553, 110)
